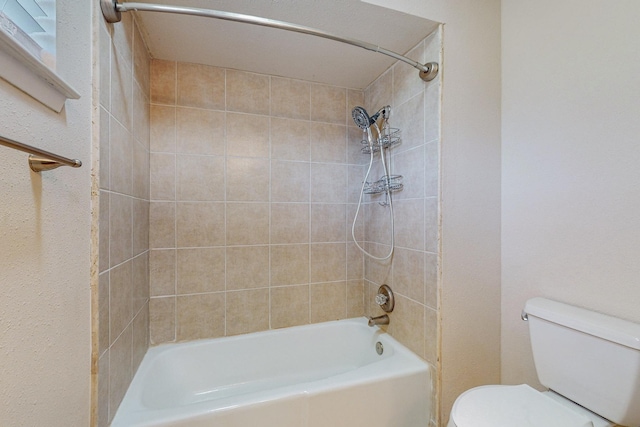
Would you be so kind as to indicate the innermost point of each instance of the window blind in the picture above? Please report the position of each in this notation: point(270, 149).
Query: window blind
point(32, 23)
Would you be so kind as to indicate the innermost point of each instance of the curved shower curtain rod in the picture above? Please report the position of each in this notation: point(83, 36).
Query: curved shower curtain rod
point(111, 10)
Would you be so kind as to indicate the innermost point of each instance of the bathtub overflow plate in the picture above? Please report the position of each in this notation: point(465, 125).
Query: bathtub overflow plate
point(379, 348)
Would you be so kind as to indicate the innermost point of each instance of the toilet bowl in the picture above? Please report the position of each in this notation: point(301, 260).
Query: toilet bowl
point(589, 363)
point(521, 406)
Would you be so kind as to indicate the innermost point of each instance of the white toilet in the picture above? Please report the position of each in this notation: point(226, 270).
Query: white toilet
point(590, 363)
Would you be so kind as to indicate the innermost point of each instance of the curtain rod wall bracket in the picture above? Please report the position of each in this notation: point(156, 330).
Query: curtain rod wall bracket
point(430, 74)
point(112, 12)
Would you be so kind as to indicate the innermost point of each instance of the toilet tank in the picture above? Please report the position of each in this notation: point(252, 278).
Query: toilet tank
point(590, 358)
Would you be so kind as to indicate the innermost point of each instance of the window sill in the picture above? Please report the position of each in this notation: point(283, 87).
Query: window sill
point(27, 73)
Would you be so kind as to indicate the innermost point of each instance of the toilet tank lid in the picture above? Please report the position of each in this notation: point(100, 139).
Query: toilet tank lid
point(600, 325)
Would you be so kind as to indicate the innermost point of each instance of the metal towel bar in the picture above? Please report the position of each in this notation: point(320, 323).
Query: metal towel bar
point(40, 160)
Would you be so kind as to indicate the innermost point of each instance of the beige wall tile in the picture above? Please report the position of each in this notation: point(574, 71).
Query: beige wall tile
point(407, 324)
point(359, 229)
point(289, 139)
point(328, 222)
point(247, 311)
point(247, 135)
point(431, 216)
point(200, 316)
point(200, 270)
point(410, 164)
point(121, 91)
point(355, 136)
point(355, 262)
point(120, 299)
point(355, 98)
point(409, 118)
point(140, 337)
point(103, 390)
point(328, 104)
point(163, 82)
point(249, 236)
point(247, 267)
point(289, 306)
point(405, 83)
point(289, 181)
point(120, 369)
point(247, 223)
point(328, 143)
point(162, 272)
point(200, 224)
point(140, 173)
point(162, 225)
point(432, 169)
point(247, 92)
point(200, 86)
point(355, 177)
point(289, 264)
point(431, 280)
point(163, 176)
point(200, 178)
point(328, 183)
point(328, 301)
point(104, 150)
point(247, 179)
point(289, 223)
point(141, 61)
point(408, 273)
point(121, 158)
point(141, 116)
point(380, 92)
point(378, 271)
point(123, 287)
point(162, 128)
point(290, 98)
point(140, 226)
point(120, 229)
point(162, 320)
point(409, 223)
point(328, 262)
point(104, 42)
point(139, 282)
point(432, 96)
point(200, 131)
point(355, 298)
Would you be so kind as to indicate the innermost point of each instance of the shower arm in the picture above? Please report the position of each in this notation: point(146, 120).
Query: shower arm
point(111, 10)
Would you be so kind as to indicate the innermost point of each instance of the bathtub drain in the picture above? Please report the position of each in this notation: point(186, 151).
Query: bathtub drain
point(379, 347)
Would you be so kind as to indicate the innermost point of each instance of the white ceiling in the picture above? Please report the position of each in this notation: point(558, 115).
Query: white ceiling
point(284, 53)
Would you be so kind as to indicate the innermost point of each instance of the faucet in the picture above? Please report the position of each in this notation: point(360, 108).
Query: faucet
point(386, 301)
point(379, 320)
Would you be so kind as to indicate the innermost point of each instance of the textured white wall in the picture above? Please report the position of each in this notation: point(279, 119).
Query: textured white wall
point(45, 351)
point(470, 165)
point(571, 163)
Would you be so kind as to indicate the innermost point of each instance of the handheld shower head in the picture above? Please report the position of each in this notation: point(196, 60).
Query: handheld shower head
point(361, 118)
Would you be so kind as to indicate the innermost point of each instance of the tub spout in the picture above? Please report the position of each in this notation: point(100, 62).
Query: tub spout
point(379, 320)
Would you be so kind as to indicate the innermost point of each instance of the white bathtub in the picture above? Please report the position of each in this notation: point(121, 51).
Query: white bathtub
point(326, 374)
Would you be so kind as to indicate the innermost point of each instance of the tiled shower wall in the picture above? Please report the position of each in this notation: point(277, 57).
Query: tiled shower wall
point(413, 272)
point(123, 294)
point(253, 187)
